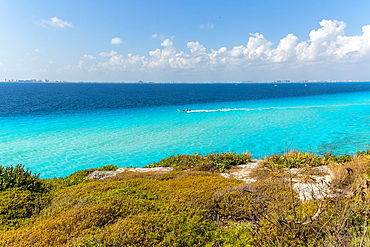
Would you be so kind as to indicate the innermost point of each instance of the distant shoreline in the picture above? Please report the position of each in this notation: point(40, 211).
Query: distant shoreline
point(249, 82)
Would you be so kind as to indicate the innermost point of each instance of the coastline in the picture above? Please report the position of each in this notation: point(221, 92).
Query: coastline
point(205, 200)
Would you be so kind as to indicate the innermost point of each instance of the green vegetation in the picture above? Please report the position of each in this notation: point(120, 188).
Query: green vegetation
point(297, 159)
point(18, 177)
point(80, 176)
point(190, 206)
point(213, 162)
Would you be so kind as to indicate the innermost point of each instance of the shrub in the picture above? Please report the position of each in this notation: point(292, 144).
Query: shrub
point(221, 162)
point(107, 168)
point(80, 176)
point(167, 211)
point(297, 159)
point(363, 153)
point(235, 235)
point(293, 159)
point(18, 177)
point(22, 194)
point(17, 204)
point(165, 227)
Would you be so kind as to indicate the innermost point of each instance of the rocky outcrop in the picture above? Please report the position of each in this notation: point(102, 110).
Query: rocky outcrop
point(107, 174)
point(242, 172)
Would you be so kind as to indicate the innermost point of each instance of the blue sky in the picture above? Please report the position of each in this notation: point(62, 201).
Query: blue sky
point(185, 40)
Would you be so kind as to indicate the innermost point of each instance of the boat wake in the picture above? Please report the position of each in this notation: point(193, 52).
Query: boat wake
point(275, 108)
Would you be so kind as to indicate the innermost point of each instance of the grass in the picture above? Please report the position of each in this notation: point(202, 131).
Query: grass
point(190, 206)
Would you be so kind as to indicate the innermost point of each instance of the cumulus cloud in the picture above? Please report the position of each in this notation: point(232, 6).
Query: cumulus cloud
point(55, 22)
point(285, 51)
point(88, 57)
point(207, 26)
point(36, 50)
point(104, 54)
point(322, 43)
point(328, 44)
point(353, 48)
point(116, 41)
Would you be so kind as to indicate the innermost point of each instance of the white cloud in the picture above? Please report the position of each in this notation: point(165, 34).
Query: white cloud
point(55, 22)
point(354, 47)
point(104, 54)
point(36, 50)
point(80, 65)
point(88, 57)
point(327, 44)
point(207, 26)
point(285, 50)
point(132, 62)
point(323, 42)
point(116, 41)
point(160, 37)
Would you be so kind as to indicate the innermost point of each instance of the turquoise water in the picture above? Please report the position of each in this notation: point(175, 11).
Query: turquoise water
point(59, 144)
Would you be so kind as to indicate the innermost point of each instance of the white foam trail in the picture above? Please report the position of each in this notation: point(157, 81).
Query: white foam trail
point(276, 108)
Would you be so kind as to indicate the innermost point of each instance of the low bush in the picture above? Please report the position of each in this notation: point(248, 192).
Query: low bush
point(297, 159)
point(18, 177)
point(293, 159)
point(16, 205)
point(22, 194)
point(169, 211)
point(80, 176)
point(220, 162)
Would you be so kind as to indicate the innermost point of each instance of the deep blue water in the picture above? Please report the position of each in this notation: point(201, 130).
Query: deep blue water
point(51, 98)
point(58, 128)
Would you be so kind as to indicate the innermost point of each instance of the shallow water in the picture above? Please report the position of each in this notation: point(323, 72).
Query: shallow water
point(58, 142)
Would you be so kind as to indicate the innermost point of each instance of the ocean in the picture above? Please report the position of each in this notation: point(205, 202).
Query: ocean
point(58, 128)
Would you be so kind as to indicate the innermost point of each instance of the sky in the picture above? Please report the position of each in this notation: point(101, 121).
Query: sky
point(185, 41)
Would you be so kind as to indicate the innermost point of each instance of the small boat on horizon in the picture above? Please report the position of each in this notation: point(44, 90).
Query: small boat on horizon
point(187, 110)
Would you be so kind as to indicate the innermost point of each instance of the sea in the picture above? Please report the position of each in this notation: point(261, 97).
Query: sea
point(57, 128)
